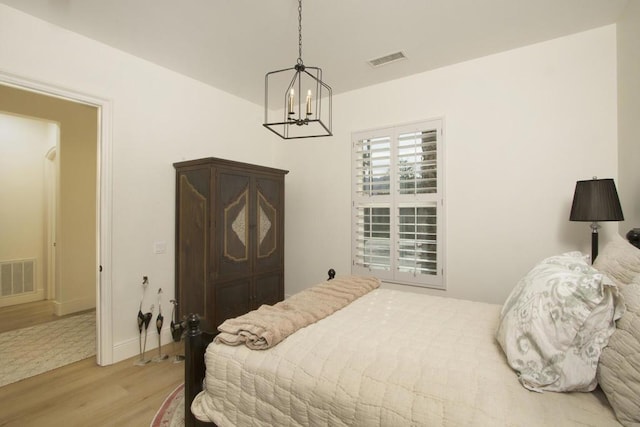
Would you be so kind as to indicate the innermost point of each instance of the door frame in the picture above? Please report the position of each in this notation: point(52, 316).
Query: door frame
point(51, 190)
point(104, 321)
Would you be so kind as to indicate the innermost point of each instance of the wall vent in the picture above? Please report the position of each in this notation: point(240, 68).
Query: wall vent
point(387, 59)
point(17, 277)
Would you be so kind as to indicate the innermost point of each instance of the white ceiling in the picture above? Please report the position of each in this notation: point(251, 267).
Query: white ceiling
point(231, 44)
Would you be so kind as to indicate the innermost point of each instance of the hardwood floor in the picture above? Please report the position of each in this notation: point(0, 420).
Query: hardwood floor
point(29, 314)
point(84, 394)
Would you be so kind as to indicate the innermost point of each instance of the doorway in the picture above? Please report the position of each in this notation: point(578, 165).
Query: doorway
point(17, 96)
point(23, 223)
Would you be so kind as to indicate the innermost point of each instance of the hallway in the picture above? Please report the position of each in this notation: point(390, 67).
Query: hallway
point(33, 340)
point(29, 314)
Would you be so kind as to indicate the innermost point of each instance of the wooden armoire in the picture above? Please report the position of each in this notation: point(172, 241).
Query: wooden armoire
point(229, 238)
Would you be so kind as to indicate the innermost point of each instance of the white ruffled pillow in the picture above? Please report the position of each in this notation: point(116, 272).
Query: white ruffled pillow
point(555, 323)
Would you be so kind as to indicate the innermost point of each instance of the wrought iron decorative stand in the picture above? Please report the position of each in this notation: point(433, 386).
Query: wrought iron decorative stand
point(177, 331)
point(159, 321)
point(143, 321)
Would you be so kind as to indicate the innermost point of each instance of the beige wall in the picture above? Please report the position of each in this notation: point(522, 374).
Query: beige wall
point(76, 234)
point(24, 143)
point(629, 115)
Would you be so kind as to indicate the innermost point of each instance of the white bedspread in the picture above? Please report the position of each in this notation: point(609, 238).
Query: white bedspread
point(390, 358)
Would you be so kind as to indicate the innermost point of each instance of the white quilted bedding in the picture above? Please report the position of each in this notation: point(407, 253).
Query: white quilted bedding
point(390, 358)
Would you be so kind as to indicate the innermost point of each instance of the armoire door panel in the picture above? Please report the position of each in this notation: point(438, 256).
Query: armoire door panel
point(270, 220)
point(234, 224)
point(267, 223)
point(192, 238)
point(232, 299)
point(236, 229)
point(268, 290)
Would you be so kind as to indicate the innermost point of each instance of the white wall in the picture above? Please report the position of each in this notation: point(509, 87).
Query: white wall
point(159, 117)
point(628, 111)
point(521, 127)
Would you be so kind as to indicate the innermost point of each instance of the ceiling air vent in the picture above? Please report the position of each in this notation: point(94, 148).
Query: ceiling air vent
point(393, 57)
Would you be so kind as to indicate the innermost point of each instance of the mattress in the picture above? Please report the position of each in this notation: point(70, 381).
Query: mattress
point(390, 358)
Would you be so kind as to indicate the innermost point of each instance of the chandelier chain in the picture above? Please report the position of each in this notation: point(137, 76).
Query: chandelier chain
point(299, 31)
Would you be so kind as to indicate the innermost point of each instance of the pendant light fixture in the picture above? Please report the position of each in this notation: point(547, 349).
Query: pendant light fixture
point(297, 102)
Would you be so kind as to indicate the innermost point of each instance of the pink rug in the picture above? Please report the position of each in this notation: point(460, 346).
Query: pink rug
point(171, 412)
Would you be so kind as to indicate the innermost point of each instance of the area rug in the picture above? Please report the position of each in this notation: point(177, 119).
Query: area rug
point(171, 412)
point(31, 351)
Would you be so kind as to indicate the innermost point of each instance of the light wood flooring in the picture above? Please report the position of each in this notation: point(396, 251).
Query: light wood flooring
point(29, 314)
point(84, 394)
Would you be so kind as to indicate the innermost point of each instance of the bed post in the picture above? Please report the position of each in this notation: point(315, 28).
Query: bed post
point(193, 367)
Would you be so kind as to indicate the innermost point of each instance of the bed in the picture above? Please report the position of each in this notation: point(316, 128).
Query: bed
point(393, 358)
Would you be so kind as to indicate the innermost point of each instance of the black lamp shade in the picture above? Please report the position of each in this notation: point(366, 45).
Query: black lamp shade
point(596, 200)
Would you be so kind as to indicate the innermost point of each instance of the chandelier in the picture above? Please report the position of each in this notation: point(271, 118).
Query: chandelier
point(299, 104)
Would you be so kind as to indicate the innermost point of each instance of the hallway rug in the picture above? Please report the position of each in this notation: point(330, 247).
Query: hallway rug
point(171, 412)
point(31, 351)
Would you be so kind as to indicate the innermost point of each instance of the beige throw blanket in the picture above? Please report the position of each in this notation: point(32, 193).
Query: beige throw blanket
point(268, 325)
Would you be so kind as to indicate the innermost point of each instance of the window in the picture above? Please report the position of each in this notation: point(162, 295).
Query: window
point(397, 204)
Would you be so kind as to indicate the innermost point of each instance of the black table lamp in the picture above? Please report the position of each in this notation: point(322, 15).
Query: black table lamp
point(596, 200)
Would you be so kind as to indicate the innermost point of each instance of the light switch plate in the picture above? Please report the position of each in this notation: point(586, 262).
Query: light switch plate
point(159, 247)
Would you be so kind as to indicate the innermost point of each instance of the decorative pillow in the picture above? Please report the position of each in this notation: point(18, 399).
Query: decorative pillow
point(619, 367)
point(555, 323)
point(619, 260)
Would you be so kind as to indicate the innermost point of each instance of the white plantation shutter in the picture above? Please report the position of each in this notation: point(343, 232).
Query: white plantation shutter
point(397, 212)
point(372, 167)
point(417, 166)
point(374, 236)
point(417, 239)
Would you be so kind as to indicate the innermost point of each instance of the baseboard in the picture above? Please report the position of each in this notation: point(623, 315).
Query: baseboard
point(74, 306)
point(7, 301)
point(131, 348)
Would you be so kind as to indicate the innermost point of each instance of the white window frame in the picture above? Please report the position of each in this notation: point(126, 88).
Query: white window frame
point(394, 200)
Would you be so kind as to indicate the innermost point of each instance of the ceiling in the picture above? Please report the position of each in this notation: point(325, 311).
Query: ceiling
point(231, 44)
